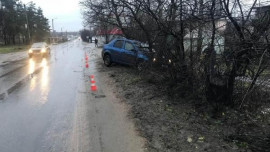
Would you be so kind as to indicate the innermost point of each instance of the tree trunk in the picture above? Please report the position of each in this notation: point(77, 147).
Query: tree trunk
point(200, 30)
point(14, 39)
point(191, 58)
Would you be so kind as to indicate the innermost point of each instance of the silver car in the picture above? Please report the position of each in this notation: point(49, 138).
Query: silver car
point(40, 48)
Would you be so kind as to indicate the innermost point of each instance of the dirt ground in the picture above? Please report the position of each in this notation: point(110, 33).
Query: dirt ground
point(179, 125)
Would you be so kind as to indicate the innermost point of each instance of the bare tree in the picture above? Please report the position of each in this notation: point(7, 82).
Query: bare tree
point(186, 34)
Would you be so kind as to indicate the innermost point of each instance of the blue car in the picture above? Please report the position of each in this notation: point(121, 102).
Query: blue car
point(125, 51)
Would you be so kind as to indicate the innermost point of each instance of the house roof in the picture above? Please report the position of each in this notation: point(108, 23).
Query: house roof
point(114, 31)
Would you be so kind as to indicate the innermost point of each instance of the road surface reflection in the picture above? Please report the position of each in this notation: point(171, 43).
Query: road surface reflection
point(31, 66)
point(45, 73)
point(44, 81)
point(39, 78)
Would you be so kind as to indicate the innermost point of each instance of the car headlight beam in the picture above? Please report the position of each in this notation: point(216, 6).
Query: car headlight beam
point(43, 50)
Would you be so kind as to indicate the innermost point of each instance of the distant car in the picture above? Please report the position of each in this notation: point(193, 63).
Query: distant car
point(40, 48)
point(126, 51)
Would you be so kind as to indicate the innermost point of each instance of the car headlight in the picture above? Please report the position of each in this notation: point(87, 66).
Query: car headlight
point(43, 50)
point(154, 59)
point(30, 51)
point(170, 61)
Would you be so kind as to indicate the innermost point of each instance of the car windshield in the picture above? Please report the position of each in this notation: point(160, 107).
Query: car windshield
point(38, 45)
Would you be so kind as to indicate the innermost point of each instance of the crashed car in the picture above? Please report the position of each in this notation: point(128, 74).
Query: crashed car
point(41, 49)
point(129, 52)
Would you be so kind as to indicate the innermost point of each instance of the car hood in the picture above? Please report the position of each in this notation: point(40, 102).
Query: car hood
point(36, 48)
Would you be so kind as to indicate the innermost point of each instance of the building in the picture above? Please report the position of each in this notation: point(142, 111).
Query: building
point(105, 36)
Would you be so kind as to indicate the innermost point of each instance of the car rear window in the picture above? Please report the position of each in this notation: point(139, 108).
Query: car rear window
point(118, 44)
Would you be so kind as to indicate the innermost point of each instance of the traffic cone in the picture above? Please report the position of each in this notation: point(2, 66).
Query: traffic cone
point(86, 65)
point(93, 87)
point(92, 80)
point(92, 76)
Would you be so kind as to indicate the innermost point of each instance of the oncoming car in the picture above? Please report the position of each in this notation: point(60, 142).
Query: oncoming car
point(126, 51)
point(40, 48)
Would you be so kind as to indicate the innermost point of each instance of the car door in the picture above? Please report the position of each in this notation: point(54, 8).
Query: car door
point(129, 53)
point(116, 51)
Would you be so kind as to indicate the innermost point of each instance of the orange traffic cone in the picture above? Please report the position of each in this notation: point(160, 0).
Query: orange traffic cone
point(93, 87)
point(93, 81)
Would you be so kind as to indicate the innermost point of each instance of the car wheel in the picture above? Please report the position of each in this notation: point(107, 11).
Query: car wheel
point(107, 60)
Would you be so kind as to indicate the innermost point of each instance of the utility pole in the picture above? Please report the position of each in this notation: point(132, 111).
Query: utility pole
point(27, 26)
point(54, 37)
point(52, 27)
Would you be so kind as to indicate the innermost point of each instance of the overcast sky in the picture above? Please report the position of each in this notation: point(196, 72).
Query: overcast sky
point(66, 13)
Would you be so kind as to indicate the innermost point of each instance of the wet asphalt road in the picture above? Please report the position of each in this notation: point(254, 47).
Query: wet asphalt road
point(54, 110)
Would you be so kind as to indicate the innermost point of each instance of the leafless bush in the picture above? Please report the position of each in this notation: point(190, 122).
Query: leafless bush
point(201, 44)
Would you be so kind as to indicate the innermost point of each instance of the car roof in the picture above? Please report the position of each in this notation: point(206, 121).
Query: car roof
point(124, 39)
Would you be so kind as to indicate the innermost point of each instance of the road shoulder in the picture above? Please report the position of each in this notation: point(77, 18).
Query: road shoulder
point(101, 120)
point(165, 124)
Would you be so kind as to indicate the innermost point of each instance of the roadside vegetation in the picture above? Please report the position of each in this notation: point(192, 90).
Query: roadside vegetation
point(13, 48)
point(86, 35)
point(212, 55)
point(22, 23)
point(184, 124)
